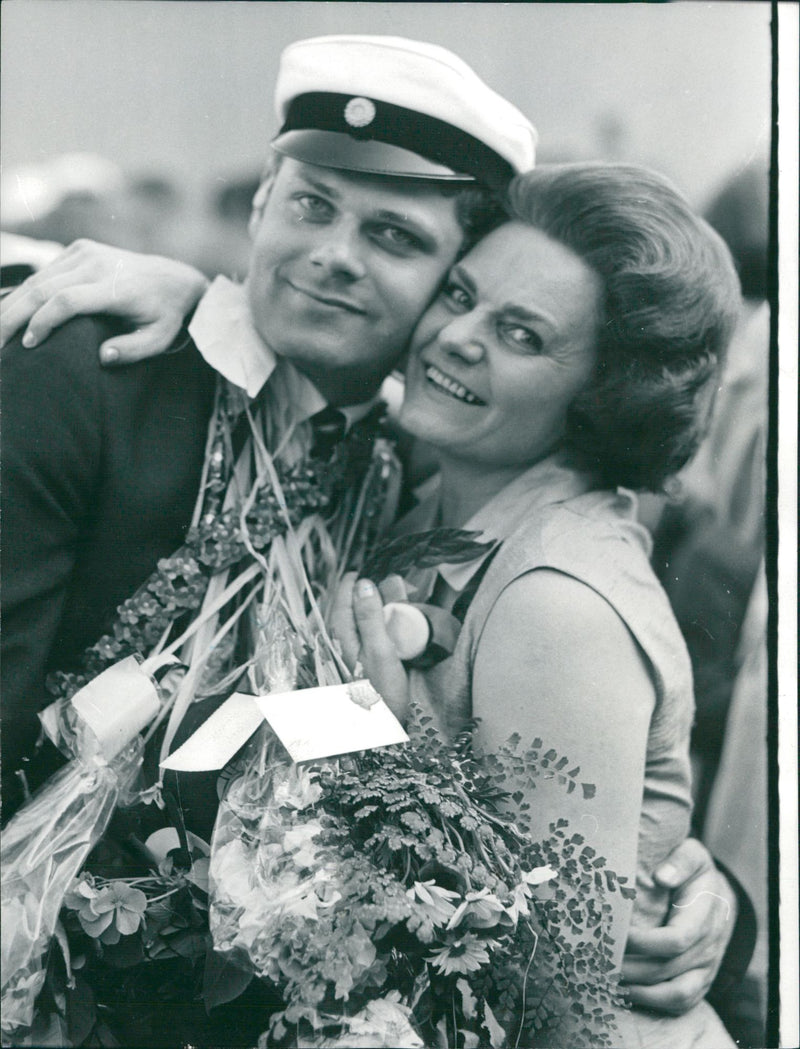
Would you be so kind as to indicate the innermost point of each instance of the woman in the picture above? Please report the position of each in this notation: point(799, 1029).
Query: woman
point(570, 357)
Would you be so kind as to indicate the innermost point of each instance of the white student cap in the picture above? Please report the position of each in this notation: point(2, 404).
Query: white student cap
point(387, 106)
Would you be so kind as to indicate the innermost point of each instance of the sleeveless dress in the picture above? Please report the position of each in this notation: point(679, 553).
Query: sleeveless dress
point(550, 517)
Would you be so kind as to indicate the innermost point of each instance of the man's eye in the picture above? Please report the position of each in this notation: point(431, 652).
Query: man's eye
point(397, 238)
point(521, 338)
point(312, 206)
point(457, 296)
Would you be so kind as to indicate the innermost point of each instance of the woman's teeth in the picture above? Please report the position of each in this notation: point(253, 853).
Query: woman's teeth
point(450, 386)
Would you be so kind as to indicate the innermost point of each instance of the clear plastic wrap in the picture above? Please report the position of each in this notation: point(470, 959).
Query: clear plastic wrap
point(46, 843)
point(262, 867)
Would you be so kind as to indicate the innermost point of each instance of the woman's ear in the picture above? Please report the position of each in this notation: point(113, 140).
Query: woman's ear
point(259, 203)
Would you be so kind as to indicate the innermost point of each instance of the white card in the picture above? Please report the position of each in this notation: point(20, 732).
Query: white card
point(219, 737)
point(315, 723)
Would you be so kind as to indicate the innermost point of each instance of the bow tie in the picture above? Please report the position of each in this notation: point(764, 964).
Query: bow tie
point(328, 428)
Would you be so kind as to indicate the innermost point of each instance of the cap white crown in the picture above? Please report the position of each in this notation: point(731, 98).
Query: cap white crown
point(418, 76)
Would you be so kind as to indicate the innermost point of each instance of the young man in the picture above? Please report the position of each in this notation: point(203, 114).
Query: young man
point(374, 193)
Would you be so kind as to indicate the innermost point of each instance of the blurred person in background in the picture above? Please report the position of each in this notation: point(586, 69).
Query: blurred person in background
point(66, 197)
point(158, 211)
point(709, 554)
point(709, 541)
point(225, 245)
point(75, 195)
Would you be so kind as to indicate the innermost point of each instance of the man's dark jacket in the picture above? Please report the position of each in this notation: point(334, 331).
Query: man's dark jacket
point(100, 472)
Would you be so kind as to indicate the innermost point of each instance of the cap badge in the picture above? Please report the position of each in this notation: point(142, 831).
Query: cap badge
point(359, 112)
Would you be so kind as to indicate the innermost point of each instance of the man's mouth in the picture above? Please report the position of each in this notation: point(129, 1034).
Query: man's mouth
point(334, 301)
point(446, 384)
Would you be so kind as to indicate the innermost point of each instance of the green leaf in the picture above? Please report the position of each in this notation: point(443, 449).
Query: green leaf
point(222, 980)
point(126, 953)
point(424, 550)
point(189, 944)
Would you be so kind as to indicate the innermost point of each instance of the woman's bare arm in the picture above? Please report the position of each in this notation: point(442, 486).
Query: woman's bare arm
point(669, 968)
point(152, 292)
point(556, 662)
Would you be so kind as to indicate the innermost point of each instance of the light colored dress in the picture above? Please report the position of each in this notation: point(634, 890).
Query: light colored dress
point(550, 517)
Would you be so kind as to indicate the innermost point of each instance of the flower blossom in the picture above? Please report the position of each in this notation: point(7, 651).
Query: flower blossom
point(108, 913)
point(466, 955)
point(480, 910)
point(432, 908)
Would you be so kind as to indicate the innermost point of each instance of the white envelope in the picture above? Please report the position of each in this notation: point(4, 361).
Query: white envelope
point(315, 723)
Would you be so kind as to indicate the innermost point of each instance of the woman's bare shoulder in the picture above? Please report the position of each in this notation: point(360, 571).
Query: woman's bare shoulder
point(546, 603)
point(552, 647)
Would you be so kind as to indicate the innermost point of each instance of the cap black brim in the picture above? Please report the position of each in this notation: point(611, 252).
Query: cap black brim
point(332, 149)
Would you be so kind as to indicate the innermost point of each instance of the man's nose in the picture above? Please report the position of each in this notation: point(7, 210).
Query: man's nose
point(338, 252)
point(464, 337)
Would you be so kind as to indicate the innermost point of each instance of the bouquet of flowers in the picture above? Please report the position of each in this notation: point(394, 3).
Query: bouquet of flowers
point(396, 898)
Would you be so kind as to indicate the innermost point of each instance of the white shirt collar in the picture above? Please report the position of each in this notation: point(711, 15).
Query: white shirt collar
point(223, 331)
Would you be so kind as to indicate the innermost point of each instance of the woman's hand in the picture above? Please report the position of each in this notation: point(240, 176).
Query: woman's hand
point(357, 621)
point(671, 968)
point(151, 292)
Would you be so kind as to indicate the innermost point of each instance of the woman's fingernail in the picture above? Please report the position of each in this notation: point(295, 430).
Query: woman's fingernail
point(365, 588)
point(109, 354)
point(667, 874)
point(28, 340)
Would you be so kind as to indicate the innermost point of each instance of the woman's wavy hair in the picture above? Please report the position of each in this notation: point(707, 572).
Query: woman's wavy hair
point(671, 302)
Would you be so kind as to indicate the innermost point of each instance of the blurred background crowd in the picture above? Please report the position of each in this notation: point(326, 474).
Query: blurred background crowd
point(145, 125)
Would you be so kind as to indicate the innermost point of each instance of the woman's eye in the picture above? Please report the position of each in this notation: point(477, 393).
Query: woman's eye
point(457, 296)
point(521, 338)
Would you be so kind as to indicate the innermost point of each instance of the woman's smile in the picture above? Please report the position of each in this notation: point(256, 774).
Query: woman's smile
point(449, 386)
